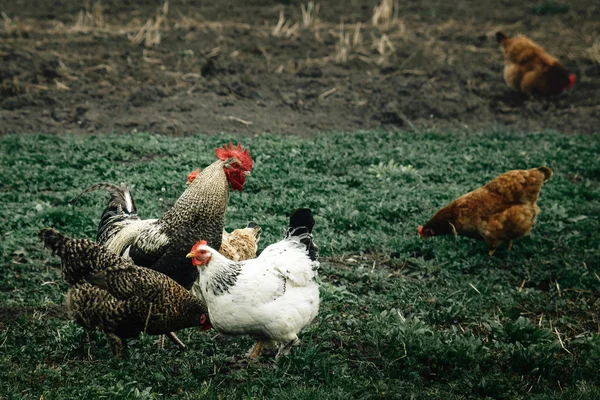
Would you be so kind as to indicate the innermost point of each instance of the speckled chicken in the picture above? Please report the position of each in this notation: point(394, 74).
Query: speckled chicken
point(111, 294)
point(241, 244)
point(272, 297)
point(501, 211)
point(161, 244)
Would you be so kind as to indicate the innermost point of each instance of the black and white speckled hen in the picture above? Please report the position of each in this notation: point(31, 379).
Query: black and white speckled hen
point(161, 244)
point(111, 294)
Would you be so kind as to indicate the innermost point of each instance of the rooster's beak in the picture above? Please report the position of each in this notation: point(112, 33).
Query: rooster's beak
point(247, 173)
point(190, 255)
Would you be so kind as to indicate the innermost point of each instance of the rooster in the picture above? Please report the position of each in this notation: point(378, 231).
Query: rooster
point(503, 210)
point(241, 244)
point(272, 297)
point(110, 293)
point(161, 244)
point(529, 69)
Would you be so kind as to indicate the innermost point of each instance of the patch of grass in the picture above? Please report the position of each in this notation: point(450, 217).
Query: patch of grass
point(549, 7)
point(400, 316)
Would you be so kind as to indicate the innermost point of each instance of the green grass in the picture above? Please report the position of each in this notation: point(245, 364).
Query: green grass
point(401, 317)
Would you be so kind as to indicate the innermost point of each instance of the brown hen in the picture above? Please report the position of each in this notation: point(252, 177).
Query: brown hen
point(111, 294)
point(503, 210)
point(529, 69)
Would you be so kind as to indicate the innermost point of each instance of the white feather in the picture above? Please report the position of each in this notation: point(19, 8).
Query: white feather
point(128, 201)
point(128, 235)
point(274, 297)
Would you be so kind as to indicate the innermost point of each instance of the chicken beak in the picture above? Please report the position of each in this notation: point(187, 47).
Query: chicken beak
point(190, 255)
point(247, 173)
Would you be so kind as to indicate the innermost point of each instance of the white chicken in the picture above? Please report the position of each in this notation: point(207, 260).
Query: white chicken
point(272, 297)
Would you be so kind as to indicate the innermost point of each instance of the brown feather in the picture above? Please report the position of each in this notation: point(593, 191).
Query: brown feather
point(502, 210)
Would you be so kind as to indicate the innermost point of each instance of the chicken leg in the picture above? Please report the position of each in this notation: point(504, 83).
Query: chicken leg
point(117, 345)
point(173, 338)
point(256, 350)
point(176, 340)
point(285, 349)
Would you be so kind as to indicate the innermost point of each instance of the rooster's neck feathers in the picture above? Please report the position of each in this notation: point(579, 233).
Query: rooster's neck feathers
point(206, 197)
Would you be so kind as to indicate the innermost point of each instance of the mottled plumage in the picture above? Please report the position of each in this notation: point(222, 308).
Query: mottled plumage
point(161, 244)
point(241, 244)
point(503, 210)
point(111, 294)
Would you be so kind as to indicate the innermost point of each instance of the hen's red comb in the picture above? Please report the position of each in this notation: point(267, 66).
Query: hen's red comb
point(572, 79)
point(223, 153)
point(197, 245)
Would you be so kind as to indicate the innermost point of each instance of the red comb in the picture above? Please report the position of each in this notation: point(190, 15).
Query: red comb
point(420, 229)
point(572, 79)
point(223, 153)
point(197, 245)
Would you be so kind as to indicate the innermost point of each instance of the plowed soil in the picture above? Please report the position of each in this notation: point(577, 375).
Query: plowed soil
point(227, 66)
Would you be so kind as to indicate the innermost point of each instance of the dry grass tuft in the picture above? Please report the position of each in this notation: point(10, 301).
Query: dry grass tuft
point(348, 43)
point(385, 14)
point(186, 22)
point(13, 26)
point(150, 33)
point(593, 52)
point(8, 23)
point(90, 17)
point(285, 28)
point(310, 12)
point(384, 48)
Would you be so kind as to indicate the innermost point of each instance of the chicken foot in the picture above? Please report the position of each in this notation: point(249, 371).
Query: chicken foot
point(116, 344)
point(256, 350)
point(510, 244)
point(285, 349)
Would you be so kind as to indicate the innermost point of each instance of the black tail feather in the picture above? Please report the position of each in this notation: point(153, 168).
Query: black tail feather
point(53, 240)
point(79, 257)
point(302, 218)
point(120, 204)
point(301, 224)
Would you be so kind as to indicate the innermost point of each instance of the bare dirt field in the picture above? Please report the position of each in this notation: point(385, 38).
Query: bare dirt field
point(250, 66)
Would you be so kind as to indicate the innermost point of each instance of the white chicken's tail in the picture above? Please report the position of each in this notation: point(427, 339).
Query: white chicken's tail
point(301, 225)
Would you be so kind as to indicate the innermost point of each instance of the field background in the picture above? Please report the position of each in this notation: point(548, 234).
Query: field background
point(255, 66)
point(400, 316)
point(372, 113)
